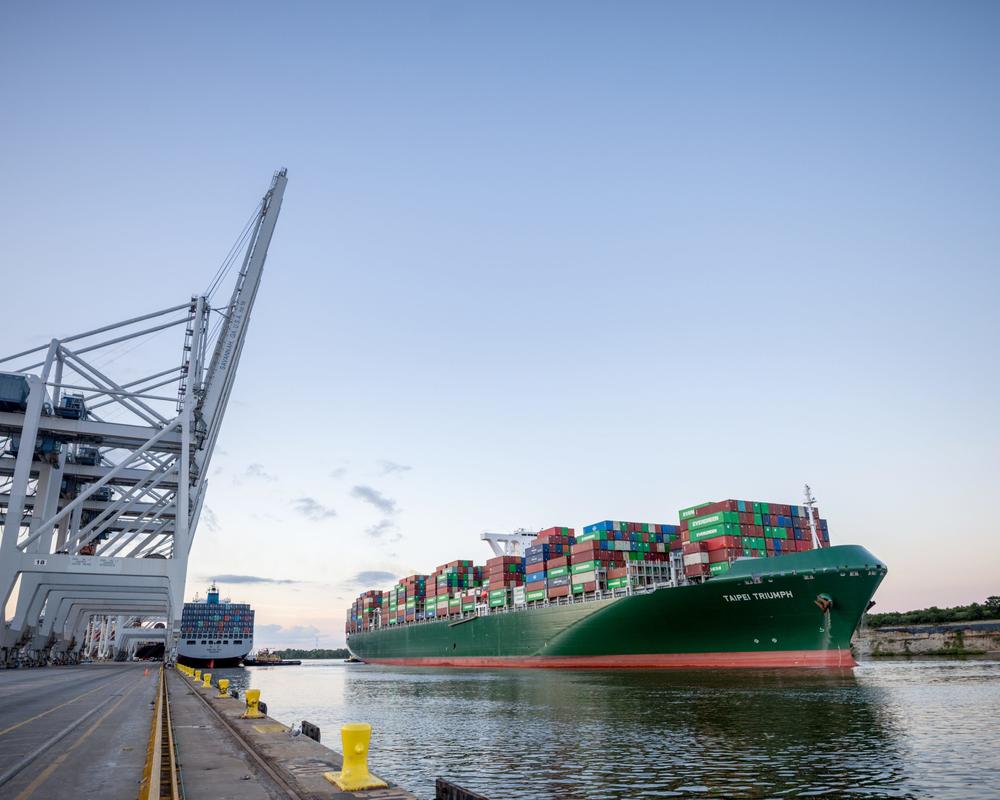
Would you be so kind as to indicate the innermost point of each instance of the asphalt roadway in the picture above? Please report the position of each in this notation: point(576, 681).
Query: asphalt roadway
point(72, 732)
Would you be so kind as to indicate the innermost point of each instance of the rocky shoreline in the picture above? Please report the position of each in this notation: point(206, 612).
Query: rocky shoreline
point(943, 639)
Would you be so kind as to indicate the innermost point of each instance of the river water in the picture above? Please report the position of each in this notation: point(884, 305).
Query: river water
point(917, 728)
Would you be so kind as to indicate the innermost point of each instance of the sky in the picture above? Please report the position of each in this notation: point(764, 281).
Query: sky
point(537, 264)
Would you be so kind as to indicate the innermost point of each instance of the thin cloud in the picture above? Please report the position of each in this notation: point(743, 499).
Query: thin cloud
point(374, 497)
point(294, 634)
point(250, 579)
point(372, 577)
point(311, 508)
point(338, 473)
point(380, 528)
point(257, 471)
point(389, 467)
point(210, 519)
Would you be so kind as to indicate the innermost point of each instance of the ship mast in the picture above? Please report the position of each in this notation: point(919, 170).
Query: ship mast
point(810, 503)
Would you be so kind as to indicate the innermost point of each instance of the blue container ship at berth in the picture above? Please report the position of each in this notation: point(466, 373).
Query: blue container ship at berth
point(215, 633)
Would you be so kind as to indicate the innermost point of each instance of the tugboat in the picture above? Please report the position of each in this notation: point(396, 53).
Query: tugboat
point(265, 658)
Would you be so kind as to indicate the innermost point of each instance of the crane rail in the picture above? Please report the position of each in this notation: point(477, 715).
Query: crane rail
point(159, 777)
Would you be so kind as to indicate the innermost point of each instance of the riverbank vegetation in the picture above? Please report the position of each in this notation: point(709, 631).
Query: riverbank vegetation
point(934, 615)
point(339, 652)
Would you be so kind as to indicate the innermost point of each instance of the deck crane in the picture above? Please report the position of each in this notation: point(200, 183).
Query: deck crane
point(98, 511)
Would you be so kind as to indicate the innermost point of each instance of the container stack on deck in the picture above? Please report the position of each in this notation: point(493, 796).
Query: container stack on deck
point(716, 534)
point(547, 564)
point(602, 553)
point(608, 556)
point(450, 587)
point(365, 608)
point(503, 573)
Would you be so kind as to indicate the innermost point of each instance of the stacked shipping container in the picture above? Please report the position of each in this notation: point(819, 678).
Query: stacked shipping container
point(713, 535)
point(607, 556)
point(216, 621)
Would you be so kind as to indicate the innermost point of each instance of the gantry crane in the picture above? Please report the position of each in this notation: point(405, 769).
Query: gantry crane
point(99, 511)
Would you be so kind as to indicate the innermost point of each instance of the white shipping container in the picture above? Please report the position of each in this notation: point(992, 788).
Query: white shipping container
point(694, 559)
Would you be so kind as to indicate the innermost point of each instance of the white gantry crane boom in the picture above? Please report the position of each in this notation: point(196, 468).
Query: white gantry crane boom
point(213, 394)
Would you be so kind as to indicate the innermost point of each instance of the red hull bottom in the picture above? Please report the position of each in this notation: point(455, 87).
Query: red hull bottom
point(779, 658)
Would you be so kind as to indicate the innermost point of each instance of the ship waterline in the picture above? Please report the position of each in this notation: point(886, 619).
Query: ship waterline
point(795, 610)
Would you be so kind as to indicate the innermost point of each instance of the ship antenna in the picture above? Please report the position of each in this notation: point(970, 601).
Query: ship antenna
point(811, 504)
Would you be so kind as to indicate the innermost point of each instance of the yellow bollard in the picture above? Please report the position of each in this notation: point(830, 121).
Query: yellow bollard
point(253, 705)
point(223, 688)
point(197, 674)
point(356, 738)
point(206, 680)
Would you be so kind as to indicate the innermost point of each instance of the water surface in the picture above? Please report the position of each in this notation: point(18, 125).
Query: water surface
point(919, 728)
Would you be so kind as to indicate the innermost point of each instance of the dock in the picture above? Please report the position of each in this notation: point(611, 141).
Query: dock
point(91, 730)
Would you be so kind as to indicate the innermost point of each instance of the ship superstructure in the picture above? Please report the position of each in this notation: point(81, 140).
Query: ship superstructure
point(214, 632)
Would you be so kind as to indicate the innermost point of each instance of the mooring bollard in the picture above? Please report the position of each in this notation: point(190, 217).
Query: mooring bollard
point(206, 680)
point(253, 705)
point(355, 738)
point(223, 688)
point(197, 674)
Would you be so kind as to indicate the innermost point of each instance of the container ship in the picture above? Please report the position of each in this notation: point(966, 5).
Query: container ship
point(734, 584)
point(215, 633)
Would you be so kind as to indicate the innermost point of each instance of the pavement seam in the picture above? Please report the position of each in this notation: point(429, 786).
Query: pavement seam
point(55, 708)
point(47, 772)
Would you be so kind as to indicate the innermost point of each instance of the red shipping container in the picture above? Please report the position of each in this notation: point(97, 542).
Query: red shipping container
point(720, 542)
point(558, 531)
point(558, 591)
point(531, 569)
point(689, 548)
point(697, 570)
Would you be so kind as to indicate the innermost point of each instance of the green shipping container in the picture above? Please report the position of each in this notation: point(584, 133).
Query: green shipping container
point(618, 583)
point(690, 511)
point(717, 518)
point(727, 529)
point(469, 606)
point(411, 603)
point(500, 601)
point(501, 593)
point(718, 568)
point(537, 594)
point(585, 566)
point(753, 543)
point(557, 572)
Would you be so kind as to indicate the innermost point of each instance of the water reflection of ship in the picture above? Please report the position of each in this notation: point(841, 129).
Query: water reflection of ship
point(720, 734)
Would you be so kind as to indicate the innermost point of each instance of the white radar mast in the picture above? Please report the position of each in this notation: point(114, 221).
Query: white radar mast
point(810, 503)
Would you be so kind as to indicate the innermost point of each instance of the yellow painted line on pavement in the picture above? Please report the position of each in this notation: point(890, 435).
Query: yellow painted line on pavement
point(54, 708)
point(29, 790)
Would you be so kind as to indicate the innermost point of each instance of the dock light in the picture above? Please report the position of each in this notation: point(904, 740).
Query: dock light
point(206, 680)
point(356, 738)
point(253, 705)
point(223, 687)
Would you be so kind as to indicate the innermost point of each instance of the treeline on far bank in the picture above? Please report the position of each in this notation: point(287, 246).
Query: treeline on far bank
point(339, 652)
point(933, 615)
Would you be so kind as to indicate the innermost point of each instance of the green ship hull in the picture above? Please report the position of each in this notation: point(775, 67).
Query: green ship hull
point(794, 610)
